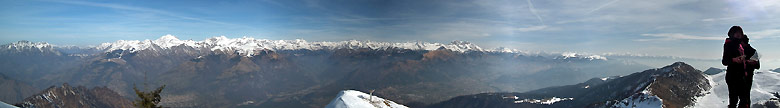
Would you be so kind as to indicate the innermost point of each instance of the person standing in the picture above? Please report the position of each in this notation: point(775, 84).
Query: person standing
point(739, 72)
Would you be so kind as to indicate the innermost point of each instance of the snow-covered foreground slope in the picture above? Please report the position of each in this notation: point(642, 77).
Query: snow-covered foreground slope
point(644, 99)
point(764, 83)
point(357, 99)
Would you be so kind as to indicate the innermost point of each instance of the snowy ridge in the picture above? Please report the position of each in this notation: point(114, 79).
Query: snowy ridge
point(357, 99)
point(507, 50)
point(30, 48)
point(25, 45)
point(644, 99)
point(163, 42)
point(248, 45)
point(567, 55)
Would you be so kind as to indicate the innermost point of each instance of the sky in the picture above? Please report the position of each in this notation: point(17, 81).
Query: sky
point(683, 28)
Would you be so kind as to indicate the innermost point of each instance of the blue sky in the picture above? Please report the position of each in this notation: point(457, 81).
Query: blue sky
point(686, 28)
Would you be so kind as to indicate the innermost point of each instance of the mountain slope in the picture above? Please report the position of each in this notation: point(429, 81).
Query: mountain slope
point(13, 91)
point(675, 85)
point(76, 97)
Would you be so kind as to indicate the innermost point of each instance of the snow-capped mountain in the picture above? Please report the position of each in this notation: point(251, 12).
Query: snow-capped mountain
point(163, 42)
point(357, 99)
point(29, 48)
point(249, 46)
point(26, 45)
point(571, 55)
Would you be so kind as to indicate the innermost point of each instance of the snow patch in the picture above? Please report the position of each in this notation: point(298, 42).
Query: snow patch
point(357, 99)
point(764, 84)
point(546, 101)
point(511, 97)
point(644, 99)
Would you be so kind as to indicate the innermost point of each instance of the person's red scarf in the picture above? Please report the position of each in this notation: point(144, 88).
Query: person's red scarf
point(744, 61)
point(742, 54)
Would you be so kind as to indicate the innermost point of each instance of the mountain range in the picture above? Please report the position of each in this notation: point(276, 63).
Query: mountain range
point(248, 72)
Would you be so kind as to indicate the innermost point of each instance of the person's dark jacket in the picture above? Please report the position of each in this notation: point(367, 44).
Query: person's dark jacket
point(731, 50)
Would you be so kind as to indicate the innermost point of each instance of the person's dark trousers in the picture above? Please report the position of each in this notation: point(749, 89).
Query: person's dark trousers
point(744, 99)
point(736, 86)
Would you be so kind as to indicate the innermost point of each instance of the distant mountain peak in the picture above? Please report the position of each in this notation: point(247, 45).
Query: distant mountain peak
point(168, 41)
point(168, 37)
point(569, 55)
point(460, 42)
point(28, 44)
point(679, 64)
point(713, 71)
point(29, 48)
point(677, 84)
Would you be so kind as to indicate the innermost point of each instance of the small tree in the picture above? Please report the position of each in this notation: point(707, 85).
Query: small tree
point(148, 99)
point(370, 96)
point(777, 95)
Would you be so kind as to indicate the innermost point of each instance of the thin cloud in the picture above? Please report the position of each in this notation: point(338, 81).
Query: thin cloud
point(769, 33)
point(139, 9)
point(532, 28)
point(677, 36)
point(602, 6)
point(533, 11)
point(719, 19)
